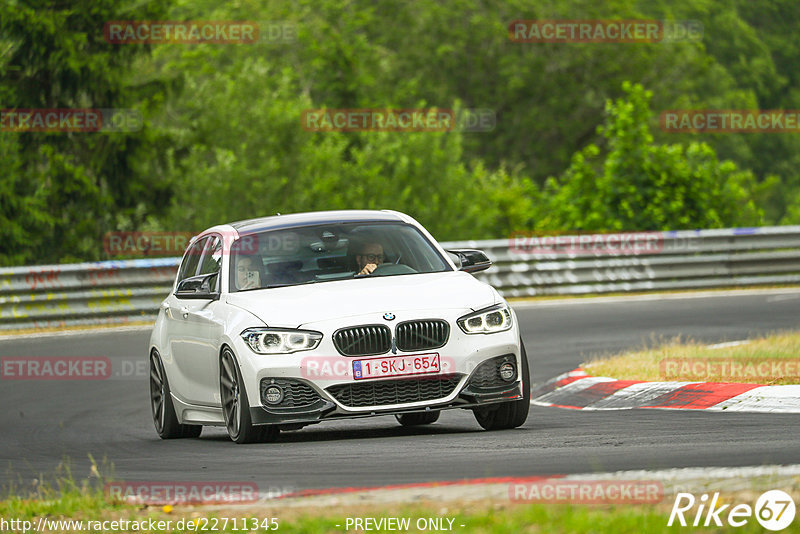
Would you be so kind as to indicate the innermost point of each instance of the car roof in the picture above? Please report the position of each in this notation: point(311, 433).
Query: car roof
point(277, 222)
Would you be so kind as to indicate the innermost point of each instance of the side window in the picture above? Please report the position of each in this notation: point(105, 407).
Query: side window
point(191, 259)
point(212, 259)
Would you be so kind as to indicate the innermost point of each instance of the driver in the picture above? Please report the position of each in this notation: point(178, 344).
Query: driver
point(369, 256)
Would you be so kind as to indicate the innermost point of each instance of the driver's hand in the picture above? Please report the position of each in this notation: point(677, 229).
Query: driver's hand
point(368, 268)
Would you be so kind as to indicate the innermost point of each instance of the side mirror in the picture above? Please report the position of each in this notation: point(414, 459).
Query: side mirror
point(197, 287)
point(471, 261)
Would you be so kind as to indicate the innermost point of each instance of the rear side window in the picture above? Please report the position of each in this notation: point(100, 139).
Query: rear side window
point(191, 259)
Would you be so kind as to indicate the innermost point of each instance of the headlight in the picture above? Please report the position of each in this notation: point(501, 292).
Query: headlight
point(487, 321)
point(280, 341)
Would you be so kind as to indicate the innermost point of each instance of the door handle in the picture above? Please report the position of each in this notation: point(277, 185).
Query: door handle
point(185, 312)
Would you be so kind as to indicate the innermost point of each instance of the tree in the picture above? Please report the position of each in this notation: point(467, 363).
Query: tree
point(635, 184)
point(54, 56)
point(243, 154)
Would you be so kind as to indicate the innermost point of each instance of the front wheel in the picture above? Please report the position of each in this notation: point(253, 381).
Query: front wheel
point(236, 408)
point(418, 418)
point(164, 418)
point(508, 414)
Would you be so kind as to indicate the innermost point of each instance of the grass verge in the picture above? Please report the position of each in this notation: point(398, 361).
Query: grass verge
point(86, 502)
point(471, 517)
point(770, 360)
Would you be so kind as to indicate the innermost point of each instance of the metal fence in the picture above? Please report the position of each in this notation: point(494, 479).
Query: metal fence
point(121, 292)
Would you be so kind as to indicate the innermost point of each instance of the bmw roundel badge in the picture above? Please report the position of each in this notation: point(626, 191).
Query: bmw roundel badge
point(388, 316)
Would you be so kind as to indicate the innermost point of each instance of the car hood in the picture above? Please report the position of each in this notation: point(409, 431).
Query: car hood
point(292, 307)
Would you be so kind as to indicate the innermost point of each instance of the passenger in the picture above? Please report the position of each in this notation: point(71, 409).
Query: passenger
point(247, 274)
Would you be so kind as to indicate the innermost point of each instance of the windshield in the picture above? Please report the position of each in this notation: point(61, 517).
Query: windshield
point(322, 253)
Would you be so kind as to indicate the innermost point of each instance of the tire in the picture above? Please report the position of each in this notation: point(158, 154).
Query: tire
point(164, 418)
point(235, 406)
point(509, 414)
point(418, 418)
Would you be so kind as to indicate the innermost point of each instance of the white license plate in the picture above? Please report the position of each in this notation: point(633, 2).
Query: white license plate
point(417, 364)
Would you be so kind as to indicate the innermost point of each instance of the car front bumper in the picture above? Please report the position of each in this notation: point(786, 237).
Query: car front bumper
point(327, 410)
point(330, 376)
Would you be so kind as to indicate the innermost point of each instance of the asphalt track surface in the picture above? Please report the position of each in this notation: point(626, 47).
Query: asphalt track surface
point(43, 422)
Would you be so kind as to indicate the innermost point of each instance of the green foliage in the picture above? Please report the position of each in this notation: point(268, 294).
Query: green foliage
point(61, 191)
point(243, 143)
point(20, 213)
point(639, 185)
point(222, 137)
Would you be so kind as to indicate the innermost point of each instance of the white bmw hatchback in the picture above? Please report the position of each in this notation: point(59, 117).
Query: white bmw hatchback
point(285, 321)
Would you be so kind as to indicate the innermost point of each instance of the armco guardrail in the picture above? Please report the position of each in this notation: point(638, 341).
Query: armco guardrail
point(115, 292)
point(131, 290)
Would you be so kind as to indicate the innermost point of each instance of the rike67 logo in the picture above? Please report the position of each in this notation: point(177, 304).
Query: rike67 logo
point(774, 510)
